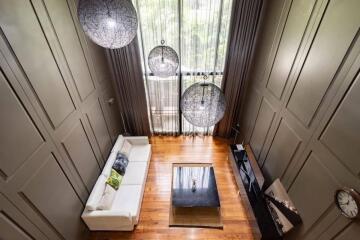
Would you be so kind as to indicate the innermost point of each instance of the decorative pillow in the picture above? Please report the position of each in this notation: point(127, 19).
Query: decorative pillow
point(114, 179)
point(120, 163)
point(126, 148)
point(96, 193)
point(107, 198)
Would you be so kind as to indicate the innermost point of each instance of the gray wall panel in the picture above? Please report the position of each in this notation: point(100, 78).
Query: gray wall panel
point(113, 115)
point(282, 151)
point(81, 154)
point(351, 232)
point(249, 116)
point(290, 41)
point(10, 230)
point(14, 225)
point(97, 122)
point(327, 52)
point(344, 130)
point(20, 142)
point(66, 32)
point(274, 11)
point(313, 191)
point(49, 191)
point(54, 88)
point(312, 142)
point(102, 69)
point(262, 127)
point(22, 29)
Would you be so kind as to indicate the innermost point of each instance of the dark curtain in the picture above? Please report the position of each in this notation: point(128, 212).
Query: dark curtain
point(244, 21)
point(127, 72)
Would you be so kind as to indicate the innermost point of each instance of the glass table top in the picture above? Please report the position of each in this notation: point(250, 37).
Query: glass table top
point(194, 186)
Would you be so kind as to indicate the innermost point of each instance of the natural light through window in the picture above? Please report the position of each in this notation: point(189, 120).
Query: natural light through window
point(198, 31)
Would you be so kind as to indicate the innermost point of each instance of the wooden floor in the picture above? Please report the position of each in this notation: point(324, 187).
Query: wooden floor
point(154, 216)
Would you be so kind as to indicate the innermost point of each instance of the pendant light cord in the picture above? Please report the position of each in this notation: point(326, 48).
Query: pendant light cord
point(162, 50)
point(203, 89)
point(161, 22)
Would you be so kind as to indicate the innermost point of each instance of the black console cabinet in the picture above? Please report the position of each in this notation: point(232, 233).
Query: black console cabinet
point(248, 176)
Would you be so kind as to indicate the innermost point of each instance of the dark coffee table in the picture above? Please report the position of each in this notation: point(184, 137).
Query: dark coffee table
point(194, 207)
point(203, 194)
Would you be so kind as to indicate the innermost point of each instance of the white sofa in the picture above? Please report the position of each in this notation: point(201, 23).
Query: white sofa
point(125, 209)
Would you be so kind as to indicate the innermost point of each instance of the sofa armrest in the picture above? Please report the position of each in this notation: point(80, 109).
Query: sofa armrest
point(107, 219)
point(141, 140)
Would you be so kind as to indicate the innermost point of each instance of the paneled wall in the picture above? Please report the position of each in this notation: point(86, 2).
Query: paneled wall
point(56, 123)
point(302, 109)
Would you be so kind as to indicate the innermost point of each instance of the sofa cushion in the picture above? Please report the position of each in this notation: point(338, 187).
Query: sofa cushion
point(128, 198)
point(135, 173)
point(108, 165)
point(140, 153)
point(96, 194)
point(126, 148)
point(114, 179)
point(118, 144)
point(107, 198)
point(120, 163)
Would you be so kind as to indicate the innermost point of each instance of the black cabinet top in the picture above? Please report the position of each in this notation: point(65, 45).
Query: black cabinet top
point(255, 194)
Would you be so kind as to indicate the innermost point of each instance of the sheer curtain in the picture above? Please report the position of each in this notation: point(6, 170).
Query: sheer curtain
point(198, 31)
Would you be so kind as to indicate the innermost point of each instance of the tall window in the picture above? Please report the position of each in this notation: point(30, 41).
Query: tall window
point(198, 31)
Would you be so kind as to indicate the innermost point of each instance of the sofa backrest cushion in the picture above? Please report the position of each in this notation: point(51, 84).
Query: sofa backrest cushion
point(126, 148)
point(96, 194)
point(140, 153)
point(118, 144)
point(107, 198)
point(108, 165)
point(110, 161)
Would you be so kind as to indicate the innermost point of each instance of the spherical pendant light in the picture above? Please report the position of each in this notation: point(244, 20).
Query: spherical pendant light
point(109, 23)
point(203, 104)
point(163, 61)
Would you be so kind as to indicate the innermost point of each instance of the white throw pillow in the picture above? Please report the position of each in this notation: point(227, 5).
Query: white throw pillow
point(126, 148)
point(108, 166)
point(107, 198)
point(96, 194)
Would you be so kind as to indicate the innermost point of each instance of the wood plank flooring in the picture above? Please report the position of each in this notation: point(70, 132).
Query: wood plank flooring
point(154, 217)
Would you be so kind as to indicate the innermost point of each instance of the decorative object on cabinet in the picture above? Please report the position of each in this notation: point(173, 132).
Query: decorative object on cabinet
point(273, 210)
point(281, 207)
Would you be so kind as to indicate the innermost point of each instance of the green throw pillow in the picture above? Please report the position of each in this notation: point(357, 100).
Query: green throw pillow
point(114, 179)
